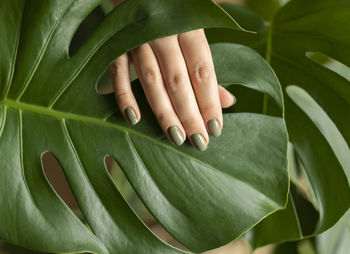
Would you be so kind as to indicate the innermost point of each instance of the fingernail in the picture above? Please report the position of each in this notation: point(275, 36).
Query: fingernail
point(176, 135)
point(131, 116)
point(199, 142)
point(234, 99)
point(214, 127)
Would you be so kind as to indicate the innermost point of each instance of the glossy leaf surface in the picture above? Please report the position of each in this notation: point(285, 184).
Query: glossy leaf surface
point(336, 239)
point(49, 103)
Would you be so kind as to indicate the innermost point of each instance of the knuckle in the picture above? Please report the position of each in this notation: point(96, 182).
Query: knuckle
point(149, 76)
point(117, 68)
point(162, 118)
point(202, 73)
point(190, 122)
point(175, 83)
point(209, 108)
point(121, 95)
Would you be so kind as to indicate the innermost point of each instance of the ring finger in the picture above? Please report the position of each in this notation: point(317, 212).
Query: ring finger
point(148, 71)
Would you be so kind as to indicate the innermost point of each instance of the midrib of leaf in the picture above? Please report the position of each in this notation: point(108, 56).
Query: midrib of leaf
point(40, 110)
point(25, 107)
point(22, 106)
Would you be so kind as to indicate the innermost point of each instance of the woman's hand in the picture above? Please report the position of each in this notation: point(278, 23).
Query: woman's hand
point(178, 77)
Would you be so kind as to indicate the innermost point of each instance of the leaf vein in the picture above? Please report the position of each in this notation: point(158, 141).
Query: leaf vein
point(209, 166)
point(13, 64)
point(42, 52)
point(20, 129)
point(3, 120)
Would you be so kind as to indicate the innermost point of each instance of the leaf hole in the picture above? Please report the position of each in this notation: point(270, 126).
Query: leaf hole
point(85, 29)
point(136, 204)
point(329, 63)
point(58, 181)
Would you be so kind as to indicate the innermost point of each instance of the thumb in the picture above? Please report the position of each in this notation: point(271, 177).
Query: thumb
point(226, 98)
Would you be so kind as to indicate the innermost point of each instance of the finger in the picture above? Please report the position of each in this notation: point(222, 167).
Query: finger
point(179, 88)
point(226, 98)
point(196, 52)
point(148, 71)
point(126, 101)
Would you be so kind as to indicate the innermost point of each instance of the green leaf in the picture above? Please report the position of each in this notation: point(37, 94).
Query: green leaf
point(49, 103)
point(325, 125)
point(336, 239)
point(251, 21)
point(317, 106)
point(6, 248)
point(285, 221)
point(266, 9)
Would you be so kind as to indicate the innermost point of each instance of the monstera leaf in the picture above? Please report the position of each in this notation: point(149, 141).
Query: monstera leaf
point(335, 240)
point(49, 103)
point(308, 47)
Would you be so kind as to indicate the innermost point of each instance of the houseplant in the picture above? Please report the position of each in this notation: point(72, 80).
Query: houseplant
point(49, 103)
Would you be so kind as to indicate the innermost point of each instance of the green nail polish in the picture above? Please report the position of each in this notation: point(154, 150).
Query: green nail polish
point(131, 116)
point(214, 127)
point(199, 142)
point(176, 135)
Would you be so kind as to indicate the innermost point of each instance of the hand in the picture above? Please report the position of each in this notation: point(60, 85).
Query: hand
point(178, 77)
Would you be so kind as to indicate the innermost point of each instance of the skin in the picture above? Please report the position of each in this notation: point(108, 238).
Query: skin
point(178, 77)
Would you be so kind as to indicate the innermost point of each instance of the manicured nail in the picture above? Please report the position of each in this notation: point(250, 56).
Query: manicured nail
point(131, 116)
point(199, 142)
point(176, 135)
point(214, 127)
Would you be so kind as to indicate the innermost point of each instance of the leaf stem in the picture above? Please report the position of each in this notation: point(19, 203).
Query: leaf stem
point(268, 59)
point(269, 43)
point(265, 104)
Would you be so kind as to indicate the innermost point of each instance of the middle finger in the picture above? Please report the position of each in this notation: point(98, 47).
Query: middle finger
point(179, 88)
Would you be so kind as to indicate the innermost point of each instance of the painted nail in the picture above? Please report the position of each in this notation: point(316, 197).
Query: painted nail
point(176, 135)
point(214, 127)
point(199, 142)
point(131, 116)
